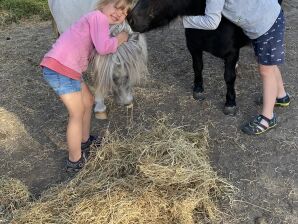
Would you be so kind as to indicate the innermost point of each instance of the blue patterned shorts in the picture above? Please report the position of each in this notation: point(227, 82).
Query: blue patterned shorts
point(61, 83)
point(269, 48)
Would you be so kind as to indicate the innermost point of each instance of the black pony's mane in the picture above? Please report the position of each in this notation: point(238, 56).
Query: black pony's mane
point(181, 8)
point(195, 7)
point(157, 13)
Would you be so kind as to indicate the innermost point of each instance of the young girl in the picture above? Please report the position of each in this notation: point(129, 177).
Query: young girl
point(263, 22)
point(64, 64)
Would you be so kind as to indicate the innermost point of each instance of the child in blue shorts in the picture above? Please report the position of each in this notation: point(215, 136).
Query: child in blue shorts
point(263, 22)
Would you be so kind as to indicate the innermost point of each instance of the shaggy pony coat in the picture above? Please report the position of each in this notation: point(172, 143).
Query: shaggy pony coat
point(129, 59)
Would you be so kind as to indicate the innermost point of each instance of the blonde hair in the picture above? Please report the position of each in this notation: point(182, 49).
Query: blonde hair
point(121, 4)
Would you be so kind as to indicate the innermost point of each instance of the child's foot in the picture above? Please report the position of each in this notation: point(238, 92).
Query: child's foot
point(256, 126)
point(74, 167)
point(85, 146)
point(279, 102)
point(283, 102)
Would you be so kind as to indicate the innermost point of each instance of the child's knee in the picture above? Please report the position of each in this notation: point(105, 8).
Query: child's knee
point(266, 70)
point(76, 114)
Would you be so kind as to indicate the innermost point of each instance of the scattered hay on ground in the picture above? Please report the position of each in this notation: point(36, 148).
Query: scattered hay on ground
point(160, 176)
point(13, 195)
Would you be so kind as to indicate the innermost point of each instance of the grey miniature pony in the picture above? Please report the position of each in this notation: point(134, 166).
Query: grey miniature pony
point(120, 71)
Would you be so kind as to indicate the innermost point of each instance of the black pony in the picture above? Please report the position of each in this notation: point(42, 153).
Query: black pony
point(224, 42)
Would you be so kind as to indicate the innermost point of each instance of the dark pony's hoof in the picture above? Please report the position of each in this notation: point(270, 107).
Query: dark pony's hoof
point(198, 95)
point(230, 110)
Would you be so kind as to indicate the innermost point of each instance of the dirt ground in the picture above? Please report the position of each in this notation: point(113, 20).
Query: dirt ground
point(264, 168)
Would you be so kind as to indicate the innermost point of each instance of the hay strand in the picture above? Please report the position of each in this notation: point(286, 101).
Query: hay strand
point(13, 195)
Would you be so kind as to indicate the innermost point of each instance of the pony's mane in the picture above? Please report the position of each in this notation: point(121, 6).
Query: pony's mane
point(131, 56)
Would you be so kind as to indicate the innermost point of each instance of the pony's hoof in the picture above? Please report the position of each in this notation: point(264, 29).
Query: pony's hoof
point(198, 96)
point(101, 115)
point(230, 110)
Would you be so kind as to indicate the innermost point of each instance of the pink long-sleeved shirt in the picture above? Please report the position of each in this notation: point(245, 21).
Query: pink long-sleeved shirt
point(74, 47)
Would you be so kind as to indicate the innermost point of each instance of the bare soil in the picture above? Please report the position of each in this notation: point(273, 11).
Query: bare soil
point(264, 169)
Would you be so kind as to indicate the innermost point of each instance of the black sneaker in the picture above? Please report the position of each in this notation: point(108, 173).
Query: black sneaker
point(283, 102)
point(279, 102)
point(85, 147)
point(74, 167)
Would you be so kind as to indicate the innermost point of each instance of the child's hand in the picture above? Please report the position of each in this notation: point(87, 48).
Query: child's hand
point(122, 37)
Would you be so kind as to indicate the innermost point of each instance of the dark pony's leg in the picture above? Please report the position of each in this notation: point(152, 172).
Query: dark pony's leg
point(230, 77)
point(197, 63)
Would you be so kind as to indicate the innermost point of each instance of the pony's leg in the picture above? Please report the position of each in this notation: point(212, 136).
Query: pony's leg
point(100, 108)
point(230, 77)
point(99, 104)
point(197, 63)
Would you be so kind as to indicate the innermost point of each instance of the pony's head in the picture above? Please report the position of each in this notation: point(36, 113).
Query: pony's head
point(121, 83)
point(150, 14)
point(119, 72)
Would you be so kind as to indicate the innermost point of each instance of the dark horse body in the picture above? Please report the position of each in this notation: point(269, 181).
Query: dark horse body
point(224, 42)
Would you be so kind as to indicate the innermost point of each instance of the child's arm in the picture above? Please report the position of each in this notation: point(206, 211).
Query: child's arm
point(210, 20)
point(100, 34)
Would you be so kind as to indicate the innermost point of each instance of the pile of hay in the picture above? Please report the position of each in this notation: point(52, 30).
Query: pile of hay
point(13, 195)
point(159, 176)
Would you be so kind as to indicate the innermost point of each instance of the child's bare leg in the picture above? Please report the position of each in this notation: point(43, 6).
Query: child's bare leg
point(75, 107)
point(269, 76)
point(88, 101)
point(280, 84)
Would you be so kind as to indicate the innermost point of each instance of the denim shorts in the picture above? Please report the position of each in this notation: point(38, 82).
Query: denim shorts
point(269, 48)
point(61, 83)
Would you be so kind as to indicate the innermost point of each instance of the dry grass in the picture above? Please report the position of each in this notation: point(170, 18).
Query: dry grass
point(13, 195)
point(160, 176)
point(16, 10)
